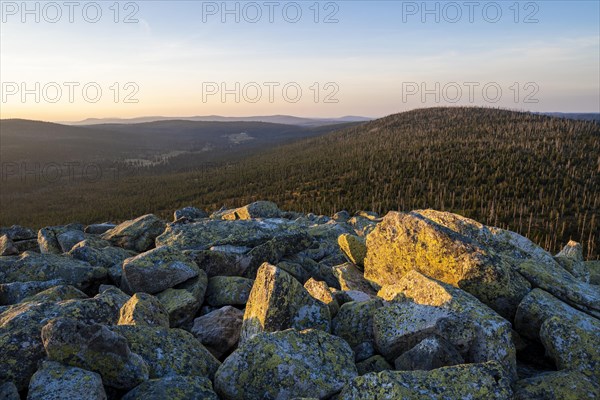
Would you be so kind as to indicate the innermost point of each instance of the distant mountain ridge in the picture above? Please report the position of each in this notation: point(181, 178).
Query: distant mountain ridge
point(287, 119)
point(577, 116)
point(37, 141)
point(276, 119)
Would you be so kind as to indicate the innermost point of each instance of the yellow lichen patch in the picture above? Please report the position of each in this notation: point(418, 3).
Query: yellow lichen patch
point(431, 292)
point(320, 291)
point(143, 309)
point(278, 301)
point(354, 248)
point(410, 241)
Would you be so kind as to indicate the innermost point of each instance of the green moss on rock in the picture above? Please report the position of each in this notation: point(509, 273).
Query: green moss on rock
point(354, 321)
point(31, 266)
point(20, 327)
point(373, 364)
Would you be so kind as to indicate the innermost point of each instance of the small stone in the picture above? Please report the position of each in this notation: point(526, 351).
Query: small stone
point(68, 239)
point(341, 216)
point(30, 266)
point(98, 229)
point(350, 278)
point(573, 345)
point(258, 209)
point(594, 268)
point(183, 301)
point(100, 256)
point(8, 391)
point(346, 296)
point(18, 233)
point(571, 259)
point(169, 351)
point(402, 325)
point(539, 306)
point(220, 263)
point(354, 321)
point(56, 293)
point(15, 292)
point(274, 250)
point(48, 237)
point(363, 351)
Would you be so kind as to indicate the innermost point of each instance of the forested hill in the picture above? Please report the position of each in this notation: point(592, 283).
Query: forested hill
point(535, 174)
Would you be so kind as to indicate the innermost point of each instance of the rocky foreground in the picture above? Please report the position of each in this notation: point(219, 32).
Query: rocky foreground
point(256, 303)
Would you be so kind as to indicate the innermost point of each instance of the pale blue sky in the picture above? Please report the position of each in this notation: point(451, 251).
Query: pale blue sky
point(377, 58)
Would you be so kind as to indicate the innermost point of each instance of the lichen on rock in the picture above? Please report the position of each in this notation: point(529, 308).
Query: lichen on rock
point(278, 302)
point(286, 364)
point(468, 381)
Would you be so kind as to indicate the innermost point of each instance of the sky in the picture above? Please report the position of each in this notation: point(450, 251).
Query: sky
point(67, 61)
